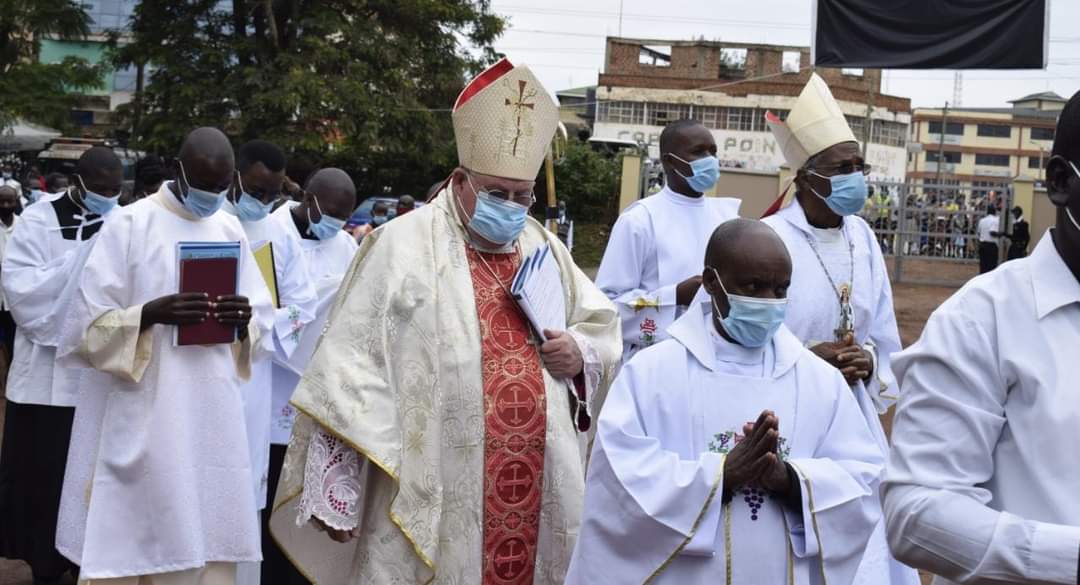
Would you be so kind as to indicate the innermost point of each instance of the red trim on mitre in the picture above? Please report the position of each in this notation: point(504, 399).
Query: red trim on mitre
point(771, 117)
point(489, 76)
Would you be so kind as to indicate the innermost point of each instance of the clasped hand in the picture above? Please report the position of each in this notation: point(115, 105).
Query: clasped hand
point(755, 459)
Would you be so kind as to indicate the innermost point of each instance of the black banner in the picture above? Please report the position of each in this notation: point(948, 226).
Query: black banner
point(931, 34)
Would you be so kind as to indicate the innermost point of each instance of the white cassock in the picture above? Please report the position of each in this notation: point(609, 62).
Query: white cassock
point(657, 243)
point(653, 510)
point(326, 262)
point(38, 265)
point(296, 294)
point(159, 476)
point(981, 482)
point(851, 256)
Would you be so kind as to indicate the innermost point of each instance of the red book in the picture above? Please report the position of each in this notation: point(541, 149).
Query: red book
point(215, 277)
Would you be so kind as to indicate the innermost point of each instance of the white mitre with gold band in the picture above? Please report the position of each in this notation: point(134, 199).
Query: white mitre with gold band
point(815, 124)
point(503, 123)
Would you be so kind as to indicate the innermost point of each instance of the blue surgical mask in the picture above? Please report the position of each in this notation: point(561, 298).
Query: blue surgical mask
point(327, 227)
point(848, 193)
point(379, 219)
point(706, 172)
point(199, 202)
point(95, 202)
point(751, 321)
point(499, 221)
point(251, 210)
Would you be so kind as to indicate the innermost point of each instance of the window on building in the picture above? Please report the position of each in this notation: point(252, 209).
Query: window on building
point(953, 128)
point(951, 157)
point(1034, 162)
point(1042, 133)
point(709, 116)
point(852, 72)
point(739, 119)
point(664, 114)
point(732, 58)
point(857, 125)
point(618, 112)
point(992, 160)
point(655, 55)
point(888, 133)
point(790, 62)
point(995, 130)
point(124, 79)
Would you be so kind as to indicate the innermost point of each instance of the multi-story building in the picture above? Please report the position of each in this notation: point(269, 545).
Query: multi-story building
point(93, 115)
point(729, 87)
point(981, 147)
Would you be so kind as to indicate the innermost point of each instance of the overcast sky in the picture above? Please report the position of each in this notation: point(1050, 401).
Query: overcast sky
point(562, 41)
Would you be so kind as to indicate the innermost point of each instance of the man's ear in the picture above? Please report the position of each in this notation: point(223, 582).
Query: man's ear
point(708, 281)
point(1058, 173)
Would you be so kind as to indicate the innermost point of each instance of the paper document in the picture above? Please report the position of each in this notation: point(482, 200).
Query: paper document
point(538, 290)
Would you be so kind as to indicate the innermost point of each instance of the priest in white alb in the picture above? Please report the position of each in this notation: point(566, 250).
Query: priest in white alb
point(327, 251)
point(651, 268)
point(42, 257)
point(729, 453)
point(260, 172)
point(437, 440)
point(841, 306)
point(159, 484)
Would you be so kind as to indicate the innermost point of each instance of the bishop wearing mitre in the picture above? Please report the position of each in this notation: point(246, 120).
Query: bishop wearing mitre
point(437, 438)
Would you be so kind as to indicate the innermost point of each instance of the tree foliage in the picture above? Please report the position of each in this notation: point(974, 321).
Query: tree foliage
point(41, 92)
point(589, 183)
point(351, 81)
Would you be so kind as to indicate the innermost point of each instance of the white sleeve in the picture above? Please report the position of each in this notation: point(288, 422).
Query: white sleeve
point(333, 483)
point(936, 512)
point(645, 314)
point(299, 302)
point(884, 338)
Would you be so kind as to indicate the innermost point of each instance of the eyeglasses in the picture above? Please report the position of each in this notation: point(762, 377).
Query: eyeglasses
point(524, 198)
point(842, 169)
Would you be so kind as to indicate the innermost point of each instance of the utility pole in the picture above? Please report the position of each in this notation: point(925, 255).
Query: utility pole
point(941, 142)
point(868, 124)
point(620, 17)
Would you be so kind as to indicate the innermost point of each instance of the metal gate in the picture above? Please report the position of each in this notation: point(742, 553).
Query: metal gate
point(927, 231)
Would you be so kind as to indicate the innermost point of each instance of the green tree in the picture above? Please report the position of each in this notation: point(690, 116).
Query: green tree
point(588, 181)
point(355, 81)
point(41, 92)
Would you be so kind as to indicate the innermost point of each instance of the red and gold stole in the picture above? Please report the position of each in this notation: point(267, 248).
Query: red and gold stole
point(514, 423)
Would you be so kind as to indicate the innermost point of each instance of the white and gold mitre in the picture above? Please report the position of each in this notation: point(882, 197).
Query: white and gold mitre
point(503, 122)
point(813, 125)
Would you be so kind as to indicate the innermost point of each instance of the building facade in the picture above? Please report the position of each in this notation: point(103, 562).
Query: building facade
point(93, 115)
point(976, 147)
point(728, 87)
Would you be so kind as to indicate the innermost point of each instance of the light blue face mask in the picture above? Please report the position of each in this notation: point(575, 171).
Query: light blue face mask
point(751, 321)
point(95, 202)
point(499, 221)
point(848, 192)
point(379, 219)
point(327, 227)
point(199, 202)
point(249, 209)
point(706, 172)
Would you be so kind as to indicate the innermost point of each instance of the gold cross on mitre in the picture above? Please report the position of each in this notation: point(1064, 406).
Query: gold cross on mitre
point(519, 105)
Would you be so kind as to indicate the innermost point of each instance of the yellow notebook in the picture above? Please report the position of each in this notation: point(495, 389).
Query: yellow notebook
point(264, 257)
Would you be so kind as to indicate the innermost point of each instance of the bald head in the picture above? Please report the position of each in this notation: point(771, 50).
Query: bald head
point(335, 192)
point(749, 259)
point(206, 160)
